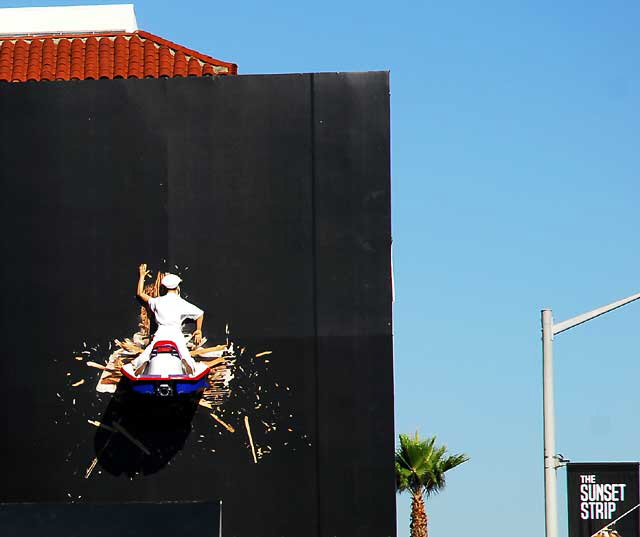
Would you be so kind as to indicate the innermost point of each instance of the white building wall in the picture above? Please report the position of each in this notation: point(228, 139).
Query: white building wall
point(67, 20)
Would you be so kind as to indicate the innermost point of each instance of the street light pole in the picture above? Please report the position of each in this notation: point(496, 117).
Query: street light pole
point(551, 459)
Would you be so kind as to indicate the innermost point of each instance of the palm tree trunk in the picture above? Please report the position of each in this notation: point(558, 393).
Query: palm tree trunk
point(418, 516)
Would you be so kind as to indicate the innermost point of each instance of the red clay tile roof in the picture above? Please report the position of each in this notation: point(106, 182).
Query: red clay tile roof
point(90, 57)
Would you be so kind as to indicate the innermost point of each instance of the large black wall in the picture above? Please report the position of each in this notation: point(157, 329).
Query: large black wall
point(274, 191)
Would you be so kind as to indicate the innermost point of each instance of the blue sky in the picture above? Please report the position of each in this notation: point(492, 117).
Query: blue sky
point(515, 181)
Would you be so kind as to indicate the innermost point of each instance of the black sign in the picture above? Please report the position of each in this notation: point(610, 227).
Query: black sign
point(602, 498)
point(187, 519)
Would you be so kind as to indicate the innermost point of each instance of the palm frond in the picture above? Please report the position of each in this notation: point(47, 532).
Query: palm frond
point(421, 464)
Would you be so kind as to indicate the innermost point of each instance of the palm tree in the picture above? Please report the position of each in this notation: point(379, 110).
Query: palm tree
point(420, 469)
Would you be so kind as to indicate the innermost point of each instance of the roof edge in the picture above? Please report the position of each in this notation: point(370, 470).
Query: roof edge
point(233, 68)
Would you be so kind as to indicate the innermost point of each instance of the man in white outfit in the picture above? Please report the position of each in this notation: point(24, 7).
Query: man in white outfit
point(170, 312)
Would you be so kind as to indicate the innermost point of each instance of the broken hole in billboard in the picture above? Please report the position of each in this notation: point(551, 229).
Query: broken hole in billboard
point(148, 417)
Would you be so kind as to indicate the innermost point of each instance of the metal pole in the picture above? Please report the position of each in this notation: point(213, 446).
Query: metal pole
point(550, 459)
point(220, 520)
point(550, 477)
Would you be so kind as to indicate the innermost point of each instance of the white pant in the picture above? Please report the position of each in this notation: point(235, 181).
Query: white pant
point(166, 333)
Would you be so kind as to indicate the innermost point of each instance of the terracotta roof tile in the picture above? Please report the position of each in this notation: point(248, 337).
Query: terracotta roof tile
point(150, 60)
point(63, 55)
point(105, 58)
point(194, 68)
point(135, 57)
point(77, 59)
point(35, 60)
point(20, 54)
point(48, 60)
point(120, 50)
point(91, 59)
point(179, 64)
point(165, 61)
point(117, 55)
point(6, 57)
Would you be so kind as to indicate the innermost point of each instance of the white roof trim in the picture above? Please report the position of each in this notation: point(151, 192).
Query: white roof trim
point(67, 20)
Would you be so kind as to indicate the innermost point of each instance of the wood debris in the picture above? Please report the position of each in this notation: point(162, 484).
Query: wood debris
point(225, 425)
point(214, 362)
point(129, 346)
point(206, 350)
point(253, 448)
point(219, 378)
point(153, 290)
point(263, 353)
point(111, 373)
point(95, 459)
point(91, 467)
point(97, 423)
point(81, 381)
point(99, 366)
point(109, 381)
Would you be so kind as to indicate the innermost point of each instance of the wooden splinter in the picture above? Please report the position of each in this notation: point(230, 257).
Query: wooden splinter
point(225, 425)
point(205, 350)
point(214, 362)
point(95, 459)
point(97, 423)
point(129, 346)
point(253, 448)
point(87, 474)
point(91, 467)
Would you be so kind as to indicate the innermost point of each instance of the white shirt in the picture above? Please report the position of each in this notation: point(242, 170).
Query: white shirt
point(171, 310)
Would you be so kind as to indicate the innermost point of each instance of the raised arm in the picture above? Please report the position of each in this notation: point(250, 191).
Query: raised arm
point(143, 273)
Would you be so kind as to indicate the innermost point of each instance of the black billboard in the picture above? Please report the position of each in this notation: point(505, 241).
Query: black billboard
point(269, 196)
point(603, 497)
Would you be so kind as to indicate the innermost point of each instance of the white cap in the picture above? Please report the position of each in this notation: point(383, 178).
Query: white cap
point(171, 281)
